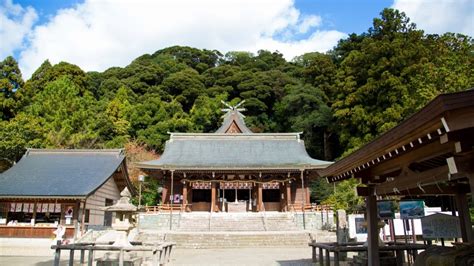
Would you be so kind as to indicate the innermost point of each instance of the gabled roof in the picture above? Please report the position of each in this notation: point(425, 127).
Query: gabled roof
point(61, 173)
point(233, 123)
point(215, 151)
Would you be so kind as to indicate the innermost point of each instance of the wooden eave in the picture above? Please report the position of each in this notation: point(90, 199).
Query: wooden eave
point(447, 113)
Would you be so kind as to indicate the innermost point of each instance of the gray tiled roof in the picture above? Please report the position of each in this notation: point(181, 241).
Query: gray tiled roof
point(55, 173)
point(234, 151)
point(233, 116)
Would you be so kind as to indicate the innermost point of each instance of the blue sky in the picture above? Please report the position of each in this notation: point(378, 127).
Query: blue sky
point(98, 34)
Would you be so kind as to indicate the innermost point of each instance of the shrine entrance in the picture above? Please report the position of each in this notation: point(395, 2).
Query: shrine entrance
point(235, 196)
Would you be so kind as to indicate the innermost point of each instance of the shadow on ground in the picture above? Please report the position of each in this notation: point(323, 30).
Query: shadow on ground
point(301, 262)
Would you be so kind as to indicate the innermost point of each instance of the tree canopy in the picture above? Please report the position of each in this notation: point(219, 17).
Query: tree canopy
point(340, 100)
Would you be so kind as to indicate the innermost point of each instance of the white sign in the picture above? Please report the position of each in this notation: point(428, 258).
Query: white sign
point(440, 226)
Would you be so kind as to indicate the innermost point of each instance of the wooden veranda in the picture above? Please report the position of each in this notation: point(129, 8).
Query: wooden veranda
point(430, 153)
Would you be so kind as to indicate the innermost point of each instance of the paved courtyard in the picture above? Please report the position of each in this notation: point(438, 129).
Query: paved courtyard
point(241, 256)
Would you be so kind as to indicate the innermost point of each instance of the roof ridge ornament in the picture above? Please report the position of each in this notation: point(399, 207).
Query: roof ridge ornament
point(231, 108)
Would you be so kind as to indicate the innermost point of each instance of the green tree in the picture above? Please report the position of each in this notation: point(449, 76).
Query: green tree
point(345, 197)
point(10, 82)
point(22, 132)
point(305, 109)
point(68, 116)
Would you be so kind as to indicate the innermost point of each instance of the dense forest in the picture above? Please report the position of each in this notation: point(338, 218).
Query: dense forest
point(340, 99)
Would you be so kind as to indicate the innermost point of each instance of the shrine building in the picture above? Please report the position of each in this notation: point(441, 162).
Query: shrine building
point(234, 169)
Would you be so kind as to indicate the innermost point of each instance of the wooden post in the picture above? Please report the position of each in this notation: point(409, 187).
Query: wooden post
point(471, 183)
point(328, 258)
point(90, 260)
point(303, 203)
point(34, 212)
point(171, 199)
point(288, 195)
point(372, 229)
point(57, 253)
point(71, 257)
point(464, 218)
point(321, 258)
point(259, 197)
point(121, 257)
point(83, 252)
point(308, 193)
point(185, 196)
point(213, 196)
point(164, 194)
point(83, 218)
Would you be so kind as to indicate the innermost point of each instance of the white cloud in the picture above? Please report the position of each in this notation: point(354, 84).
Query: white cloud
point(440, 16)
point(99, 34)
point(308, 23)
point(15, 23)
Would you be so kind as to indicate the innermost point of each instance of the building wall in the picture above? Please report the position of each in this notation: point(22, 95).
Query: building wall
point(96, 201)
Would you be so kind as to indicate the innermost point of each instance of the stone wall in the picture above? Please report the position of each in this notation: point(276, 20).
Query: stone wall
point(159, 221)
point(315, 220)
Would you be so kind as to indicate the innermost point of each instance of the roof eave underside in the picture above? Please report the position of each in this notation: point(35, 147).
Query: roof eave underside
point(410, 130)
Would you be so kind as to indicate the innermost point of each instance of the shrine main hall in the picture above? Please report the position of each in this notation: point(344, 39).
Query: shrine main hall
point(234, 170)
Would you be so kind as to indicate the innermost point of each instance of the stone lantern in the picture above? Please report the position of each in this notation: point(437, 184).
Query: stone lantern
point(124, 220)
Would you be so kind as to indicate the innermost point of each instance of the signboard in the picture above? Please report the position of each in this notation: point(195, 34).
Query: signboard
point(360, 225)
point(386, 209)
point(440, 226)
point(412, 209)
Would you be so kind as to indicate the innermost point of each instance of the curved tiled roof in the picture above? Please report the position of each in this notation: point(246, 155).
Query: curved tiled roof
point(208, 151)
point(60, 173)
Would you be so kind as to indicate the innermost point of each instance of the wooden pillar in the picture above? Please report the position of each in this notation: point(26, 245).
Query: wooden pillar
point(464, 218)
point(185, 196)
point(471, 183)
point(282, 198)
point(172, 199)
point(308, 193)
point(213, 196)
point(83, 218)
point(259, 197)
point(288, 195)
point(164, 194)
point(372, 229)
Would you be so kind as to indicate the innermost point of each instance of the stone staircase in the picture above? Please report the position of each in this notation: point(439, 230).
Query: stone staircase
point(236, 222)
point(231, 230)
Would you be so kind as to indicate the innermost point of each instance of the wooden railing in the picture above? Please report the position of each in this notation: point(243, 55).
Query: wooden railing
point(161, 252)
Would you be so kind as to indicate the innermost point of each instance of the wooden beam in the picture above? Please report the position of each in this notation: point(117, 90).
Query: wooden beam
point(460, 119)
point(436, 190)
point(408, 179)
point(461, 165)
point(422, 153)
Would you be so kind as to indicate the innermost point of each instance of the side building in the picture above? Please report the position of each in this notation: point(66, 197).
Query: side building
point(68, 187)
point(234, 170)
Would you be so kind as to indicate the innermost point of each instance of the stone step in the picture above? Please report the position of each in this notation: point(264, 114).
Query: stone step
point(233, 222)
point(208, 240)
